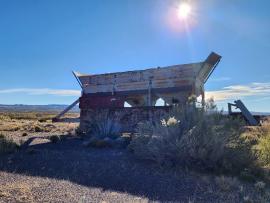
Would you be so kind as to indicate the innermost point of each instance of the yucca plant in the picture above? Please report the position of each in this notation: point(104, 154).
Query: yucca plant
point(104, 125)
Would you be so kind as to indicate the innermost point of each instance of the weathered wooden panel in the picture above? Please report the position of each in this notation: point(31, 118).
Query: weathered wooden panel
point(170, 72)
point(138, 80)
point(194, 74)
point(144, 85)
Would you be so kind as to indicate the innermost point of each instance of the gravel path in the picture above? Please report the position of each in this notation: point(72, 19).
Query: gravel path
point(68, 172)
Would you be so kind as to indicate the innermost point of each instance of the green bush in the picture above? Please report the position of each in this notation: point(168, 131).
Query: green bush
point(193, 137)
point(7, 145)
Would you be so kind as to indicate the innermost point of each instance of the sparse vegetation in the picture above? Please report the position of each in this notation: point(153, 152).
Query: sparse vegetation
point(7, 145)
point(263, 146)
point(79, 132)
point(54, 138)
point(227, 183)
point(38, 129)
point(204, 147)
point(35, 116)
point(24, 134)
point(204, 140)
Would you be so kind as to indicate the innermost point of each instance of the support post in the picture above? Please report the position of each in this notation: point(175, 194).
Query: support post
point(149, 93)
point(203, 96)
point(65, 110)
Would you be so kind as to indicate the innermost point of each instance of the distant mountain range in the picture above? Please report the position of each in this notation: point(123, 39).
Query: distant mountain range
point(253, 113)
point(36, 108)
point(261, 113)
point(61, 107)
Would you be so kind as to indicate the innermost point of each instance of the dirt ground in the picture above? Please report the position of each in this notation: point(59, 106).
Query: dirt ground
point(66, 171)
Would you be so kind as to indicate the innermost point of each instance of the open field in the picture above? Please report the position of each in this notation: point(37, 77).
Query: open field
point(63, 170)
point(20, 126)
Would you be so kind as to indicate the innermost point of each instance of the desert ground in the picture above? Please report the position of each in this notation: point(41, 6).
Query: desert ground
point(46, 169)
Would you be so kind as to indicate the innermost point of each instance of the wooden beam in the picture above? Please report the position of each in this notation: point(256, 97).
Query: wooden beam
point(65, 110)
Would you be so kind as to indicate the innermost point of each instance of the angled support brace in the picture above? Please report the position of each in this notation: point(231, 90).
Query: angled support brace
point(245, 112)
point(56, 118)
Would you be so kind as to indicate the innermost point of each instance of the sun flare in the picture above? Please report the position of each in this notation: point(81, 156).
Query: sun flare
point(184, 10)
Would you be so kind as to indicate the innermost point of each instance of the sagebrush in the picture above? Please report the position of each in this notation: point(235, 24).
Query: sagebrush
point(193, 137)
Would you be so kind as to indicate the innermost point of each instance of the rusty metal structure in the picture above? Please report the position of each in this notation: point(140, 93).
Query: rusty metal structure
point(141, 89)
point(174, 84)
point(244, 112)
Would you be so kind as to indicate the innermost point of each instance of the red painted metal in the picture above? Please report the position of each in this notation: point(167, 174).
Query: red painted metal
point(101, 101)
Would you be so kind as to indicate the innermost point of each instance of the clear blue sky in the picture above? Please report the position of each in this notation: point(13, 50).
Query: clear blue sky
point(42, 41)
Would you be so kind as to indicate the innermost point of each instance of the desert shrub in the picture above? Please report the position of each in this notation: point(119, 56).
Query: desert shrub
point(7, 145)
point(24, 134)
point(42, 120)
point(38, 128)
point(193, 137)
point(54, 138)
point(104, 125)
point(264, 149)
point(80, 132)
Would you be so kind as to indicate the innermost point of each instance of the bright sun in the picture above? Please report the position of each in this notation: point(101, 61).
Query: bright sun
point(184, 10)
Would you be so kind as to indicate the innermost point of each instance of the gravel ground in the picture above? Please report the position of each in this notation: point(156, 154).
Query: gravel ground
point(68, 172)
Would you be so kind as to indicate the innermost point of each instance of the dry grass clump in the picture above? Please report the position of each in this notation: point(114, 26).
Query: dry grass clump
point(227, 183)
point(259, 139)
point(33, 115)
point(30, 126)
point(38, 127)
point(7, 145)
point(11, 127)
point(263, 147)
point(28, 115)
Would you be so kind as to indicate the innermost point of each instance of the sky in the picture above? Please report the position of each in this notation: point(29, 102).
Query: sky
point(41, 42)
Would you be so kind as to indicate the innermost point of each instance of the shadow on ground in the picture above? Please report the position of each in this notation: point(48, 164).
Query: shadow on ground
point(109, 169)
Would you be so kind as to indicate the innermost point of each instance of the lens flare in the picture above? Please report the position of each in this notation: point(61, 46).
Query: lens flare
point(184, 10)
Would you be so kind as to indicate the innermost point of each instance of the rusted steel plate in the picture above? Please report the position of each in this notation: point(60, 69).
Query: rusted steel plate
point(101, 101)
point(126, 118)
